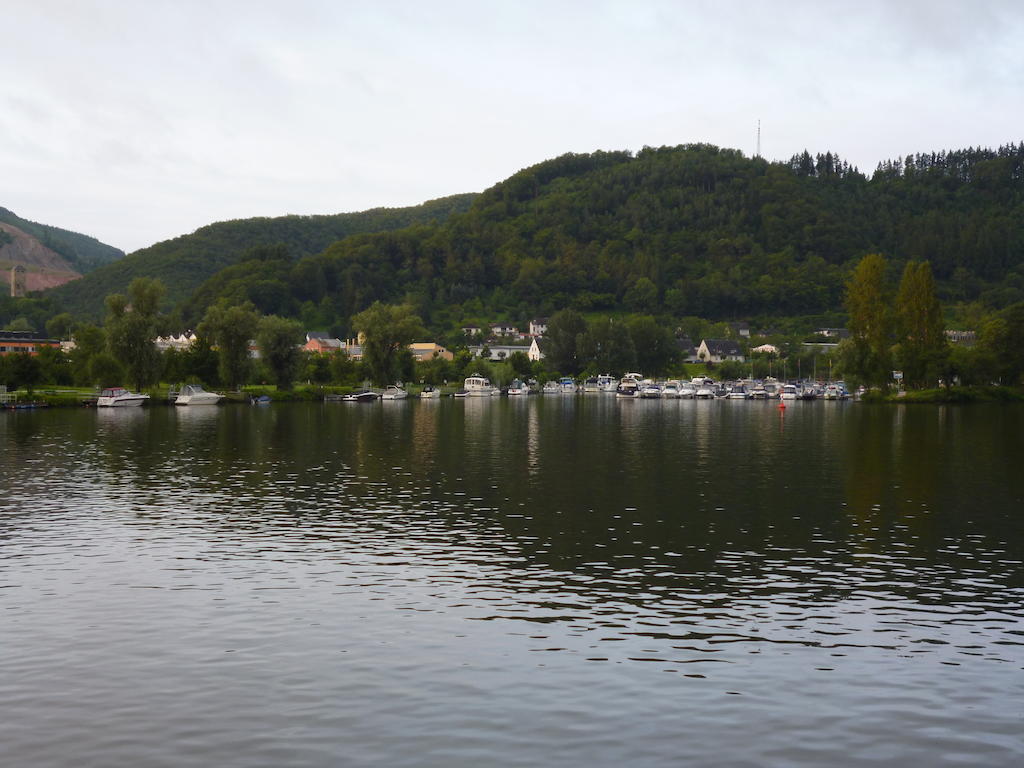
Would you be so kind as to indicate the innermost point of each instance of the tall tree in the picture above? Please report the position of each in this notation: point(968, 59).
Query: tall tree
point(922, 350)
point(386, 331)
point(230, 328)
point(279, 341)
point(132, 326)
point(565, 330)
point(656, 348)
point(607, 346)
point(869, 358)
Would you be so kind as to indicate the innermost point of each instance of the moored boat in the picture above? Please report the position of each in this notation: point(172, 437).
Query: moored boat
point(478, 386)
point(394, 392)
point(430, 393)
point(119, 397)
point(194, 394)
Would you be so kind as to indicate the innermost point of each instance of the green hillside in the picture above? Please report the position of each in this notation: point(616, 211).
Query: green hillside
point(683, 231)
point(83, 252)
point(185, 262)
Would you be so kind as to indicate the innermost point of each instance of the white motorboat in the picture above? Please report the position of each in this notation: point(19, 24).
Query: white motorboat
point(671, 389)
point(478, 386)
point(705, 390)
point(430, 393)
point(119, 397)
point(789, 392)
point(363, 396)
point(628, 388)
point(194, 394)
point(591, 385)
point(517, 387)
point(686, 390)
point(607, 383)
point(394, 392)
point(737, 392)
point(650, 390)
point(567, 386)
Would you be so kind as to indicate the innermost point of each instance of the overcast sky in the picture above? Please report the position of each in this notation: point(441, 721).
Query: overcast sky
point(139, 120)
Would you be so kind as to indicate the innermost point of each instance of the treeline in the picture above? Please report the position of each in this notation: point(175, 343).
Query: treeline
point(185, 262)
point(691, 230)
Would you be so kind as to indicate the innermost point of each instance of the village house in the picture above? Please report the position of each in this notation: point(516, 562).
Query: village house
point(539, 326)
point(966, 338)
point(687, 351)
point(719, 350)
point(536, 351)
point(504, 329)
point(322, 343)
point(472, 330)
point(24, 341)
point(740, 330)
point(423, 351)
point(833, 333)
point(497, 352)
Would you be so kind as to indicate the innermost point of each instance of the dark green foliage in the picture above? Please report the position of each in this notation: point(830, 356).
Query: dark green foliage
point(279, 339)
point(385, 334)
point(185, 262)
point(230, 328)
point(84, 253)
point(1002, 340)
point(132, 325)
point(566, 330)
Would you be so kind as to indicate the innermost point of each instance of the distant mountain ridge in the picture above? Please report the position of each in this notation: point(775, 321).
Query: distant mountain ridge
point(83, 253)
point(185, 262)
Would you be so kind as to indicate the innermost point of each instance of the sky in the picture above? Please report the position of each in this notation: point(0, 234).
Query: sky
point(135, 122)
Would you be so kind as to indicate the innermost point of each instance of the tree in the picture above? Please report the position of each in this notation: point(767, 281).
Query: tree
point(1002, 341)
point(607, 346)
point(105, 370)
point(870, 322)
point(279, 341)
point(60, 326)
point(922, 350)
point(22, 370)
point(656, 350)
point(132, 326)
point(386, 331)
point(231, 328)
point(89, 342)
point(564, 331)
point(642, 296)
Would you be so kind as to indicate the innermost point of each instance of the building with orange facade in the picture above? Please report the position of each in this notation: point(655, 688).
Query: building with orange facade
point(24, 341)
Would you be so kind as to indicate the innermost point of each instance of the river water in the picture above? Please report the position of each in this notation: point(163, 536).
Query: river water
point(557, 581)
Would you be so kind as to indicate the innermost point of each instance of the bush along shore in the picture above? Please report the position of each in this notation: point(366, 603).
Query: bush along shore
point(949, 395)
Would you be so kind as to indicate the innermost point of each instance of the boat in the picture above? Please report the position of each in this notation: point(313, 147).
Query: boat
point(686, 390)
point(835, 391)
point(362, 396)
point(550, 388)
point(194, 394)
point(430, 393)
point(759, 392)
point(650, 391)
point(591, 385)
point(460, 393)
point(607, 383)
point(261, 400)
point(704, 390)
point(628, 388)
point(567, 386)
point(671, 389)
point(789, 392)
point(737, 392)
point(119, 397)
point(517, 387)
point(394, 392)
point(478, 386)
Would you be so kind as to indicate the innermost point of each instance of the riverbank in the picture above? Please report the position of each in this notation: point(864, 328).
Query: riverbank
point(949, 396)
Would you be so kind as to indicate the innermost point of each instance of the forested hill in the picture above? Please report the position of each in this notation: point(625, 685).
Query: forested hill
point(689, 230)
point(82, 252)
point(184, 262)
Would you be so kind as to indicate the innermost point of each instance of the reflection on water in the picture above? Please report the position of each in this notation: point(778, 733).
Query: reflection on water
point(560, 580)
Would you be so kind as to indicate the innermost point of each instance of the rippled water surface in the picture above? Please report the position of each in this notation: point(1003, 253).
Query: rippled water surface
point(554, 581)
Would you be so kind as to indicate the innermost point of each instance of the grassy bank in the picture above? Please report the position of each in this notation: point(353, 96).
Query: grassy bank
point(951, 395)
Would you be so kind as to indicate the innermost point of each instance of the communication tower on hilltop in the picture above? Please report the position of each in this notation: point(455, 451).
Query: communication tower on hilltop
point(758, 154)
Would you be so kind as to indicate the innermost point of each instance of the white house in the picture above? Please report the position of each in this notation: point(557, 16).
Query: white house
point(504, 329)
point(539, 326)
point(719, 350)
point(499, 352)
point(536, 353)
point(770, 349)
